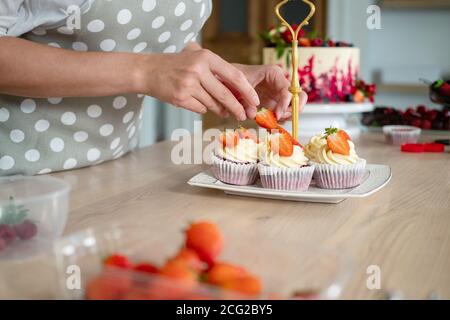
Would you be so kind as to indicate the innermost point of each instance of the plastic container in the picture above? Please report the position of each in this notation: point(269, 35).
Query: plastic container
point(33, 213)
point(284, 268)
point(398, 135)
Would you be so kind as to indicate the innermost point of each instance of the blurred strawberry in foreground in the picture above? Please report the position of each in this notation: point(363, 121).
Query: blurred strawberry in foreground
point(191, 258)
point(146, 268)
point(247, 285)
point(25, 230)
point(220, 273)
point(118, 261)
point(206, 239)
point(185, 276)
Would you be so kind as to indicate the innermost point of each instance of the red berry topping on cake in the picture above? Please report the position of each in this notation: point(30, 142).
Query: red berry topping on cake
point(337, 141)
point(316, 42)
point(305, 42)
point(359, 96)
point(229, 138)
point(282, 144)
point(266, 119)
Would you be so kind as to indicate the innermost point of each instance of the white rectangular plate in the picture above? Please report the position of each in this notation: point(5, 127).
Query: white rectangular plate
point(376, 177)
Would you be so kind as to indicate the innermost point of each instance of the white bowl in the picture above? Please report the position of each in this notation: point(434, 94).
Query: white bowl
point(43, 202)
point(398, 135)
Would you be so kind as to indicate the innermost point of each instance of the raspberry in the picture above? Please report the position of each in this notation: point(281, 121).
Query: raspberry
point(426, 124)
point(422, 109)
point(316, 42)
point(26, 230)
point(7, 233)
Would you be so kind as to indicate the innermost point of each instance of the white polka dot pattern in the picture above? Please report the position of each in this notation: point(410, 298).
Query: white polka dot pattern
point(57, 144)
point(134, 34)
point(119, 102)
point(68, 118)
point(148, 5)
point(17, 135)
point(28, 106)
point(6, 162)
point(93, 155)
point(80, 136)
point(32, 155)
point(106, 130)
point(94, 111)
point(96, 26)
point(124, 16)
point(4, 114)
point(50, 134)
point(41, 125)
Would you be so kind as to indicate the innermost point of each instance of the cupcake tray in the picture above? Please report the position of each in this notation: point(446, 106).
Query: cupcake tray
point(376, 177)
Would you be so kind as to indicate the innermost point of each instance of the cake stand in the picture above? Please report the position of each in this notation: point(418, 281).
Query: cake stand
point(315, 117)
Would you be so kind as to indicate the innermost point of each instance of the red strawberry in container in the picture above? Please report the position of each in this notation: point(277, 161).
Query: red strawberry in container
point(25, 230)
point(7, 234)
point(206, 240)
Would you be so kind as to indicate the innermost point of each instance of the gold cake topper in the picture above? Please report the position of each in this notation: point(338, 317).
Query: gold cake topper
point(295, 88)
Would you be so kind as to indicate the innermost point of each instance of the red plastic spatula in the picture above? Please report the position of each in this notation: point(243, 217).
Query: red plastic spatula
point(423, 147)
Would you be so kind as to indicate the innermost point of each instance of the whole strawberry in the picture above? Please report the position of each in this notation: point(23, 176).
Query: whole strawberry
point(25, 230)
point(7, 234)
point(206, 239)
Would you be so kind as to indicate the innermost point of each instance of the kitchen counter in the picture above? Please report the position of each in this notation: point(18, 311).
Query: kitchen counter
point(403, 228)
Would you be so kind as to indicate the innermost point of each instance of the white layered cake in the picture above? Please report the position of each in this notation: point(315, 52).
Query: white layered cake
point(327, 74)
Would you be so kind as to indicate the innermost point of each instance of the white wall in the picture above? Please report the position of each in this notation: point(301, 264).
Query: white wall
point(411, 44)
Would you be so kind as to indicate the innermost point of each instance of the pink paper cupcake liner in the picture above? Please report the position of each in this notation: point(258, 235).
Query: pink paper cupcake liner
point(290, 179)
point(329, 176)
point(234, 173)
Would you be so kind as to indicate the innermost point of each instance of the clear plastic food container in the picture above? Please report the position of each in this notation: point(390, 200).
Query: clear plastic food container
point(398, 135)
point(33, 213)
point(285, 268)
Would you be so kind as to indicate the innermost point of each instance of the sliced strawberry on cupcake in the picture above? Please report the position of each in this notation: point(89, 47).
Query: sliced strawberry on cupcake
point(337, 141)
point(281, 143)
point(245, 133)
point(265, 118)
point(229, 138)
point(234, 161)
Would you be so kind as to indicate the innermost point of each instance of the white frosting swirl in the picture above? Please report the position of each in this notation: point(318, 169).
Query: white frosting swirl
point(246, 151)
point(317, 150)
point(270, 158)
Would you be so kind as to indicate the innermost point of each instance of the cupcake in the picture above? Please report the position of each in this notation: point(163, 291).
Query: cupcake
point(337, 166)
point(235, 159)
point(283, 164)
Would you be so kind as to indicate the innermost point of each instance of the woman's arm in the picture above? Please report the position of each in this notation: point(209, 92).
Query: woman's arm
point(191, 79)
point(35, 70)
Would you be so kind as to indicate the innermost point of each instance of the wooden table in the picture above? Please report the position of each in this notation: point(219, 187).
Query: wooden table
point(404, 228)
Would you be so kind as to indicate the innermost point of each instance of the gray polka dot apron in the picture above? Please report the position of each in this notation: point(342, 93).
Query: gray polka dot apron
point(39, 136)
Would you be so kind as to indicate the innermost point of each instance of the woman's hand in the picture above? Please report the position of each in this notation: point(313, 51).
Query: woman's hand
point(273, 89)
point(199, 81)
